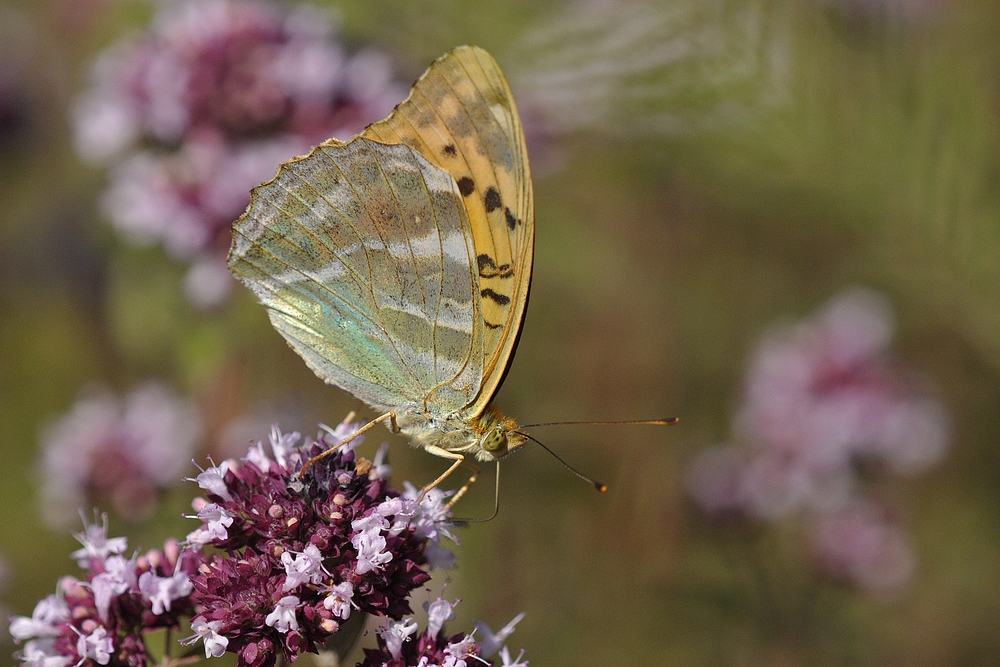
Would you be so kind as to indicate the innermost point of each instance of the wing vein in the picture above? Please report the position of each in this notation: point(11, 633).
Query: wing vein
point(318, 238)
point(308, 278)
point(378, 313)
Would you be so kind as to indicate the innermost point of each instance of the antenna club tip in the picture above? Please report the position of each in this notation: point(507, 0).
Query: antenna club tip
point(603, 488)
point(670, 421)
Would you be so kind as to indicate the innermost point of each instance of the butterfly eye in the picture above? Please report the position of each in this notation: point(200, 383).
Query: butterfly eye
point(494, 441)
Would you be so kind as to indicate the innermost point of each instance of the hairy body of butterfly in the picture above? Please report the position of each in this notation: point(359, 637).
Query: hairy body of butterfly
point(489, 437)
point(398, 264)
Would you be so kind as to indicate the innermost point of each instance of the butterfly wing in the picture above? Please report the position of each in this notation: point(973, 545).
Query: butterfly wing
point(363, 256)
point(461, 116)
point(398, 264)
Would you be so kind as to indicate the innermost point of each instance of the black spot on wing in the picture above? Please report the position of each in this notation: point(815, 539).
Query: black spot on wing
point(450, 151)
point(490, 325)
point(492, 199)
point(488, 268)
point(499, 299)
point(466, 186)
point(511, 220)
point(485, 263)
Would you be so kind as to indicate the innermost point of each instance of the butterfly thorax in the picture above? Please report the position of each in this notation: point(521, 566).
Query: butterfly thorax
point(489, 437)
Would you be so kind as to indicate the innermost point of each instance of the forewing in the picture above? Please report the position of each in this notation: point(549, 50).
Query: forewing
point(362, 254)
point(461, 116)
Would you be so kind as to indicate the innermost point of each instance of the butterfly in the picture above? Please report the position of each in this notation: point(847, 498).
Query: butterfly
point(398, 264)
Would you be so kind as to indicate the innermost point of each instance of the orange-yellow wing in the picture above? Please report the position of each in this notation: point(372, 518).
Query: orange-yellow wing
point(461, 117)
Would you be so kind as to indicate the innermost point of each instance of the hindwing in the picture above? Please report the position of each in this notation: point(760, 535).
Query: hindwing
point(362, 254)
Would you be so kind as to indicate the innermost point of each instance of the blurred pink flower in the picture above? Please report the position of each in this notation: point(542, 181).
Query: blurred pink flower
point(117, 451)
point(822, 396)
point(192, 114)
point(860, 545)
point(241, 69)
point(823, 393)
point(738, 479)
point(187, 199)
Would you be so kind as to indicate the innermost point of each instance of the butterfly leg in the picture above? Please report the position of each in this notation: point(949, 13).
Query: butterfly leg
point(391, 416)
point(445, 454)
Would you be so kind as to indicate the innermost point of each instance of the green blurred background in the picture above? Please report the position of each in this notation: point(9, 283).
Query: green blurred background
point(793, 149)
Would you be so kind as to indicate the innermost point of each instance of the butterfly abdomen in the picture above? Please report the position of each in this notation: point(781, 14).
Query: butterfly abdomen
point(451, 432)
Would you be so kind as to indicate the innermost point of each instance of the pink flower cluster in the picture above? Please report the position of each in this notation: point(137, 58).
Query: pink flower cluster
point(117, 451)
point(192, 114)
point(102, 619)
point(295, 556)
point(400, 645)
point(279, 562)
point(822, 398)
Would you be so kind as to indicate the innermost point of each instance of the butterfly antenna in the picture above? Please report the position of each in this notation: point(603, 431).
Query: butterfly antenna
point(597, 485)
point(669, 421)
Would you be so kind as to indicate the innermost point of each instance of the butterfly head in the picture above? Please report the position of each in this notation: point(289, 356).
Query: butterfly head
point(498, 436)
point(500, 441)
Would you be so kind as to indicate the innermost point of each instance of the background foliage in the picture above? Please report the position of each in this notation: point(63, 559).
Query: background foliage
point(702, 170)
